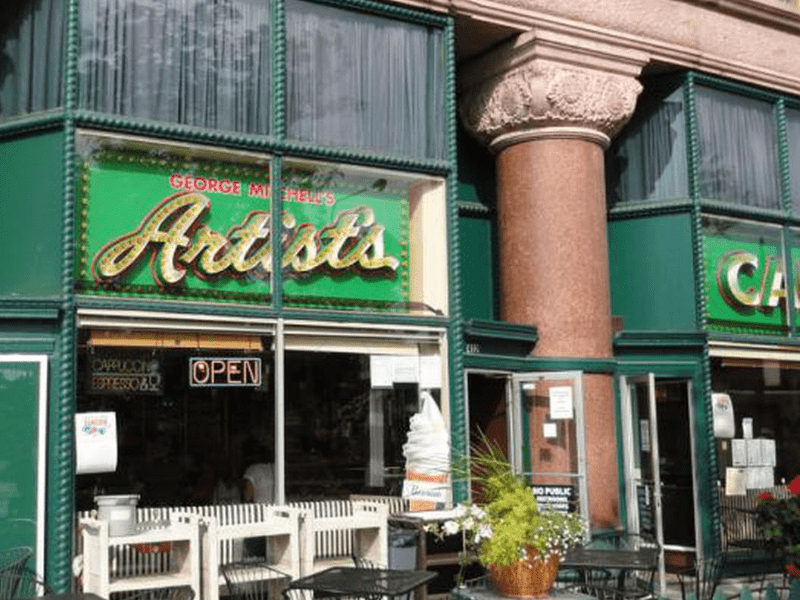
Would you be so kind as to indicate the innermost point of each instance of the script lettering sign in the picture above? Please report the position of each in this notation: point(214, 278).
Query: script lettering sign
point(203, 230)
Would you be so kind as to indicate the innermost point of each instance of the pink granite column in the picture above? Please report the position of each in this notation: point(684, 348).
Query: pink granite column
point(549, 125)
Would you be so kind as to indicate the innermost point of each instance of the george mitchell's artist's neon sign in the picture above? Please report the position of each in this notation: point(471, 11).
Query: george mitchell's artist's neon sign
point(177, 242)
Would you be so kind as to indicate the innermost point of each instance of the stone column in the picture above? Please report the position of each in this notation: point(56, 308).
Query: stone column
point(548, 118)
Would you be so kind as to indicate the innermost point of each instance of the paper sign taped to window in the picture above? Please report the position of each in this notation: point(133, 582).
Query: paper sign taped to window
point(95, 442)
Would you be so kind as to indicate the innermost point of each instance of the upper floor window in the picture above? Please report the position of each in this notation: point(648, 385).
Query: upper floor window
point(204, 63)
point(32, 41)
point(738, 158)
point(353, 80)
point(363, 81)
point(736, 137)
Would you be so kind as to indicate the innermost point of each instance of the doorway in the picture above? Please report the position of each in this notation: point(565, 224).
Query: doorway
point(660, 471)
point(537, 419)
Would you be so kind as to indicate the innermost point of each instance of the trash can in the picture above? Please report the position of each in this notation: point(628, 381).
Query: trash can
point(403, 546)
point(119, 511)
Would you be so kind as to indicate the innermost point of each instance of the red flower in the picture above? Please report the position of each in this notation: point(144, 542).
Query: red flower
point(765, 497)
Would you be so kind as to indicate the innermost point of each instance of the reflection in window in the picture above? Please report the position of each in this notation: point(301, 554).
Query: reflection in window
point(363, 239)
point(343, 433)
point(32, 42)
point(648, 162)
point(363, 81)
point(793, 136)
point(738, 149)
point(745, 278)
point(199, 63)
point(766, 393)
point(178, 444)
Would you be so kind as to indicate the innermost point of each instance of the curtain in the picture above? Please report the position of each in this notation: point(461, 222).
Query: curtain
point(738, 149)
point(32, 38)
point(363, 81)
point(204, 63)
point(793, 135)
point(649, 160)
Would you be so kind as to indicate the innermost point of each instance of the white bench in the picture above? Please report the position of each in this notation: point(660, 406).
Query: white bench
point(328, 532)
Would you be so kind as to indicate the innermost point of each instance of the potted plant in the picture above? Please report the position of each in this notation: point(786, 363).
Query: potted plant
point(780, 520)
point(518, 543)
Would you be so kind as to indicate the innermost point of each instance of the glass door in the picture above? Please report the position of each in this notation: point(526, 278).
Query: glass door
point(659, 464)
point(548, 442)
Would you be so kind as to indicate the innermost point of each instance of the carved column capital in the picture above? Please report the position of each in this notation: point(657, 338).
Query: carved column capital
point(527, 96)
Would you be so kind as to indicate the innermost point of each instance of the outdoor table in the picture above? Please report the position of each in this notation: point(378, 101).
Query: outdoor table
point(362, 582)
point(485, 592)
point(597, 567)
point(644, 559)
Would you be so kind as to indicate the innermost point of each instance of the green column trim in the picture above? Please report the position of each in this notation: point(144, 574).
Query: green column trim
point(61, 473)
point(712, 518)
point(459, 427)
point(784, 175)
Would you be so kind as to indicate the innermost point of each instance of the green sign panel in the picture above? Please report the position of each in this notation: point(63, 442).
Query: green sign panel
point(21, 455)
point(745, 283)
point(202, 229)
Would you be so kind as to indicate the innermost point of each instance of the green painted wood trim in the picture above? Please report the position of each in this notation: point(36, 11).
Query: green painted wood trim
point(40, 314)
point(61, 472)
point(741, 212)
point(171, 306)
point(651, 208)
point(727, 85)
point(459, 427)
point(260, 312)
point(392, 10)
point(497, 362)
point(754, 340)
point(267, 144)
point(473, 209)
point(276, 277)
point(42, 121)
point(659, 339)
point(784, 174)
point(40, 344)
point(278, 129)
point(712, 518)
point(278, 75)
point(500, 330)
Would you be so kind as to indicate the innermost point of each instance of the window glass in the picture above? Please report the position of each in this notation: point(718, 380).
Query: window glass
point(745, 277)
point(32, 41)
point(793, 135)
point(196, 62)
point(347, 418)
point(173, 220)
point(363, 239)
point(186, 433)
point(762, 408)
point(648, 162)
point(738, 159)
point(363, 81)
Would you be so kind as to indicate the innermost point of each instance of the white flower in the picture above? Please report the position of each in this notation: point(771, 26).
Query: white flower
point(478, 512)
point(484, 533)
point(450, 527)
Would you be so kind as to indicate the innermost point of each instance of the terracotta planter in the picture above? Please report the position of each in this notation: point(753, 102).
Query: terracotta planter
point(525, 579)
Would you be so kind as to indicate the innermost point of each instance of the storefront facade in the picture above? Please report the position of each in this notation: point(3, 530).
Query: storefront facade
point(701, 188)
point(169, 315)
point(574, 284)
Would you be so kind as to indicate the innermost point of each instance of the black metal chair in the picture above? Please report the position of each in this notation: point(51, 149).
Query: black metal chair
point(253, 580)
point(23, 583)
point(702, 579)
